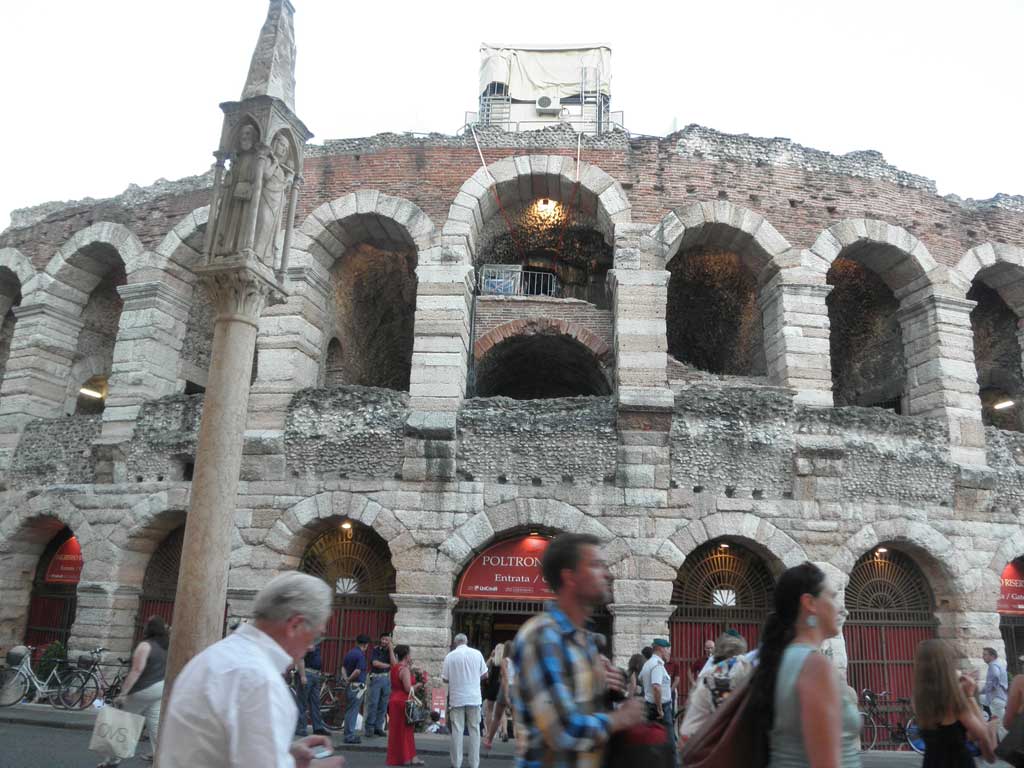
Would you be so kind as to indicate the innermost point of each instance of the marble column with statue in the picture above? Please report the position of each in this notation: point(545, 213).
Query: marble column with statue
point(251, 214)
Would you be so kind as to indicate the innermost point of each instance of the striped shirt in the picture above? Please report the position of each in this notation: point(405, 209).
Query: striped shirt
point(558, 693)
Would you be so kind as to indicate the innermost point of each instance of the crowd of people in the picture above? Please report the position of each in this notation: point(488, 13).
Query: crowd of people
point(782, 704)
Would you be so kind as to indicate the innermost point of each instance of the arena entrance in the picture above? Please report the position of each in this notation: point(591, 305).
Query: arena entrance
point(54, 598)
point(356, 562)
point(160, 583)
point(502, 587)
point(721, 585)
point(890, 611)
point(1011, 614)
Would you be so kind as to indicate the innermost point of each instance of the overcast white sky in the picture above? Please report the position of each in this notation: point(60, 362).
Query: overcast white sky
point(103, 93)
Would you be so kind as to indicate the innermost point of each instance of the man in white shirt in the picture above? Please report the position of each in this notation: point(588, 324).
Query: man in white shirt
point(230, 706)
point(657, 685)
point(463, 669)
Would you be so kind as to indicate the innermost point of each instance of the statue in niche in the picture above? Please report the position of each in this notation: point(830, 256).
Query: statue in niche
point(277, 178)
point(254, 192)
point(238, 187)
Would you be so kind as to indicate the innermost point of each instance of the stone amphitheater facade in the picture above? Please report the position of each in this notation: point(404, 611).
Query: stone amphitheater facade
point(672, 462)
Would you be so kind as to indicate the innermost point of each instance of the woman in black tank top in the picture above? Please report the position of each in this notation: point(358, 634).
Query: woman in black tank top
point(144, 685)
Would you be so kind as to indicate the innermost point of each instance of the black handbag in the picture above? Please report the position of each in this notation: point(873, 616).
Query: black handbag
point(1011, 748)
point(415, 712)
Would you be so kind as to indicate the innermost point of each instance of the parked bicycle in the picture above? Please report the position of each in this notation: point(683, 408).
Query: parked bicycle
point(875, 722)
point(89, 682)
point(18, 680)
point(331, 698)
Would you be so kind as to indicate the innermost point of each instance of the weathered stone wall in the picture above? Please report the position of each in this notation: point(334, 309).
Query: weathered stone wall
point(346, 431)
point(540, 442)
point(492, 311)
point(165, 438)
point(197, 346)
point(55, 452)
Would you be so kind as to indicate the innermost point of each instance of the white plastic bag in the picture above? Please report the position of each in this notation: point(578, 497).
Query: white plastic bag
point(116, 732)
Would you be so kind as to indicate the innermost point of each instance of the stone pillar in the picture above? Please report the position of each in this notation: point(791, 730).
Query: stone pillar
point(644, 424)
point(796, 337)
point(440, 357)
point(640, 298)
point(106, 616)
point(942, 380)
point(239, 289)
point(634, 626)
point(36, 380)
point(424, 623)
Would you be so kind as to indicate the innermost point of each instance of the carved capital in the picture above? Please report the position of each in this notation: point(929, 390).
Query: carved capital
point(240, 288)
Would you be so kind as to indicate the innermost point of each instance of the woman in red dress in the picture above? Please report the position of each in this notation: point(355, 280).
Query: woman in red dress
point(401, 735)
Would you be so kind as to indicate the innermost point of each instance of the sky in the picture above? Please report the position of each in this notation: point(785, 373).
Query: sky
point(105, 93)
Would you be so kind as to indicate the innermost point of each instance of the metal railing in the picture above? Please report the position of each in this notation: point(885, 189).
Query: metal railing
point(504, 280)
point(613, 121)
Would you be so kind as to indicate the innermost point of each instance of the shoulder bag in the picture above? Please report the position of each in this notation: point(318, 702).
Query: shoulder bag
point(415, 712)
point(732, 737)
point(1011, 748)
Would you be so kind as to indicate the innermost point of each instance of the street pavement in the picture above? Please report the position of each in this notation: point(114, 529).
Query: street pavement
point(34, 736)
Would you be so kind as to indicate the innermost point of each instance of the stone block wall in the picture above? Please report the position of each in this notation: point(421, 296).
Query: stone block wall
point(494, 311)
point(165, 438)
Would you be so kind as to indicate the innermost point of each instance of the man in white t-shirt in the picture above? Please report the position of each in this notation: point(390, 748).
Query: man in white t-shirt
point(657, 685)
point(463, 669)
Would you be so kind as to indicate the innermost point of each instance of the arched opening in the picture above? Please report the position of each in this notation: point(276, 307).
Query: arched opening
point(713, 322)
point(54, 598)
point(101, 315)
point(890, 610)
point(1010, 607)
point(502, 587)
point(372, 305)
point(10, 297)
point(721, 585)
point(997, 357)
point(334, 370)
point(356, 562)
point(160, 583)
point(544, 247)
point(543, 364)
point(865, 339)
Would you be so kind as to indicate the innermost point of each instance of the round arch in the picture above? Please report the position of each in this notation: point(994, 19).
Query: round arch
point(1001, 267)
point(776, 547)
point(720, 224)
point(517, 181)
point(179, 251)
point(21, 267)
point(78, 266)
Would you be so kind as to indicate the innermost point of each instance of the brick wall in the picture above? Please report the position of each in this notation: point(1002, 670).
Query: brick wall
point(492, 311)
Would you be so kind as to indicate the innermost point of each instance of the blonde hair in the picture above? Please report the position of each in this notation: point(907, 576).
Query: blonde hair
point(937, 692)
point(497, 654)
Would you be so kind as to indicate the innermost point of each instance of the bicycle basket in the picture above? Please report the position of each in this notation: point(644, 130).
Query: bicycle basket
point(84, 661)
point(16, 655)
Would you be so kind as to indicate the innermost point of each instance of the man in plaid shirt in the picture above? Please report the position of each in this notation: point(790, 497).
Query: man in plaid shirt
point(561, 681)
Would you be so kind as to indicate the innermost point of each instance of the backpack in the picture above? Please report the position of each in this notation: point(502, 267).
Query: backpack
point(720, 681)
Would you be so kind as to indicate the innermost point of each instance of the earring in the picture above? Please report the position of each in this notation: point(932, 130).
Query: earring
point(812, 621)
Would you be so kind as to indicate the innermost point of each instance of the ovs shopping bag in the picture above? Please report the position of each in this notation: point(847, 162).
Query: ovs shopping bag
point(116, 732)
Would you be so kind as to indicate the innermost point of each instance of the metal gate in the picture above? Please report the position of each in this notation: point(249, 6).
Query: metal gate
point(890, 611)
point(160, 582)
point(722, 585)
point(1012, 629)
point(52, 607)
point(356, 562)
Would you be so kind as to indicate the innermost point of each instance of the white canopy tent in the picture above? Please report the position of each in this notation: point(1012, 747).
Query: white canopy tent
point(531, 71)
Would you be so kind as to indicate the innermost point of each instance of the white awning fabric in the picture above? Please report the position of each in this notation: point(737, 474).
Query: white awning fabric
point(531, 71)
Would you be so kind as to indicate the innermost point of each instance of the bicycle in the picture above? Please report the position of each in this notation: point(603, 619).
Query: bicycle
point(89, 682)
point(873, 721)
point(332, 702)
point(19, 678)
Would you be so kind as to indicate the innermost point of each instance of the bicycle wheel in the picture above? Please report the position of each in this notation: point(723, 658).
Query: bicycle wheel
point(55, 685)
point(914, 738)
point(81, 690)
point(331, 711)
point(868, 732)
point(13, 687)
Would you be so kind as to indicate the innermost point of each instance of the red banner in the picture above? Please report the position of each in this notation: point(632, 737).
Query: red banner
point(509, 570)
point(66, 565)
point(1011, 590)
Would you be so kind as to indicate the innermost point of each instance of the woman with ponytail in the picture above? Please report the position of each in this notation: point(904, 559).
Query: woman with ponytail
point(795, 689)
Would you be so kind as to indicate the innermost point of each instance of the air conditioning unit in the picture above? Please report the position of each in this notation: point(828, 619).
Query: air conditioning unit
point(548, 105)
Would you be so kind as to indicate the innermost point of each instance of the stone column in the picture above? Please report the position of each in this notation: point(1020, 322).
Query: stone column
point(635, 626)
point(942, 380)
point(36, 380)
point(440, 357)
point(239, 289)
point(105, 616)
point(796, 337)
point(640, 299)
point(424, 623)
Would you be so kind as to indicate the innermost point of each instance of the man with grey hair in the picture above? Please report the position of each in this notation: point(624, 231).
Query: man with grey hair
point(230, 707)
point(463, 669)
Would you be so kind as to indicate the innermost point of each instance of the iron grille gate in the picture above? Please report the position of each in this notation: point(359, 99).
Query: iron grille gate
point(722, 585)
point(1012, 629)
point(891, 611)
point(160, 583)
point(52, 607)
point(356, 562)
